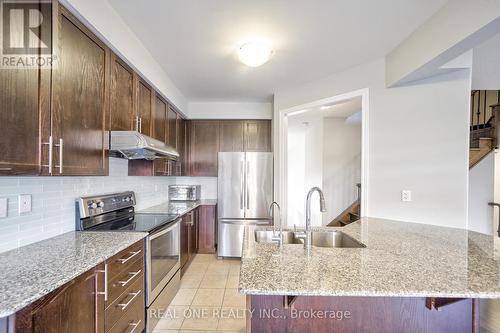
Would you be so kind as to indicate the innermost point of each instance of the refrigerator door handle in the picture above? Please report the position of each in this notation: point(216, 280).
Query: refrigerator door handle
point(242, 185)
point(248, 191)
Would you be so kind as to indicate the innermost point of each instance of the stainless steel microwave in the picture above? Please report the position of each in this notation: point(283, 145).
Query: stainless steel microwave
point(184, 192)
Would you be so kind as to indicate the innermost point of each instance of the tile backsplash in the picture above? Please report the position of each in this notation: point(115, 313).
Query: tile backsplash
point(53, 200)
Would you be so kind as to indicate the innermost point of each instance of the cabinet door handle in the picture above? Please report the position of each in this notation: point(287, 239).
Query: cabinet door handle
point(140, 125)
point(60, 145)
point(105, 292)
point(134, 326)
point(132, 276)
point(248, 191)
point(50, 144)
point(137, 123)
point(132, 254)
point(124, 306)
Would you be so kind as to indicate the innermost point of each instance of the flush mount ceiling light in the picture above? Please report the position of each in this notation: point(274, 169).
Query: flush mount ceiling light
point(254, 54)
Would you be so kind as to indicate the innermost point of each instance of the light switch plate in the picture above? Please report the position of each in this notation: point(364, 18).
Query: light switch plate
point(3, 207)
point(24, 203)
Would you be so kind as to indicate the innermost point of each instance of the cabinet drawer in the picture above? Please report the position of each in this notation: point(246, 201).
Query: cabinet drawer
point(133, 320)
point(124, 280)
point(133, 293)
point(125, 259)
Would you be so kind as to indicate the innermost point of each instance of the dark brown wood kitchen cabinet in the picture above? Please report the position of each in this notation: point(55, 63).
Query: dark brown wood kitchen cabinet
point(203, 147)
point(24, 106)
point(160, 119)
point(145, 103)
point(54, 119)
point(232, 135)
point(77, 306)
point(107, 298)
point(206, 229)
point(80, 100)
point(189, 238)
point(245, 135)
point(181, 147)
point(257, 136)
point(122, 97)
point(172, 127)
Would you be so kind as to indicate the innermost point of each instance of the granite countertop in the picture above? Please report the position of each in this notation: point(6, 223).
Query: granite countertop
point(31, 272)
point(400, 259)
point(177, 207)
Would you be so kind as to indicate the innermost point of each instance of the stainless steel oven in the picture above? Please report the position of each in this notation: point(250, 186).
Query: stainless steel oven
point(163, 259)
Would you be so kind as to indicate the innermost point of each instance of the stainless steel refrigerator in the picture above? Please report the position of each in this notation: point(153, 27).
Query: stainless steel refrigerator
point(245, 192)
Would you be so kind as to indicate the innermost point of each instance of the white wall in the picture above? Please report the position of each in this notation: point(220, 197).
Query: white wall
point(457, 27)
point(305, 148)
point(230, 110)
point(109, 25)
point(486, 65)
point(481, 191)
point(418, 139)
point(341, 165)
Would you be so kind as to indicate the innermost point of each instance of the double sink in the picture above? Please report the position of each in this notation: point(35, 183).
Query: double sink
point(329, 239)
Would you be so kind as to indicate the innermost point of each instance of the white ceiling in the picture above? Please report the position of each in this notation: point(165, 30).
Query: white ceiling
point(196, 40)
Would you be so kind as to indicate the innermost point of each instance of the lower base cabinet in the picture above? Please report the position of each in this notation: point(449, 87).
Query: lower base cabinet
point(197, 234)
point(107, 298)
point(332, 314)
point(207, 229)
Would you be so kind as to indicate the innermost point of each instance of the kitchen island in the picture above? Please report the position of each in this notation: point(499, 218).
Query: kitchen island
point(397, 283)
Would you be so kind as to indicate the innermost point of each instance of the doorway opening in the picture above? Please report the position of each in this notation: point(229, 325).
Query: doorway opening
point(324, 144)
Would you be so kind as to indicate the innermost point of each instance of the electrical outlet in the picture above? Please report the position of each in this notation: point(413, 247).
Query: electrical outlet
point(3, 207)
point(24, 203)
point(406, 195)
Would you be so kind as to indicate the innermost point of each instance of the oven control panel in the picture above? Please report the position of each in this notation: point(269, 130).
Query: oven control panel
point(97, 205)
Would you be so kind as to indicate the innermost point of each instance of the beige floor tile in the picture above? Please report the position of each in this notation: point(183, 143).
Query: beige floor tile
point(191, 281)
point(232, 319)
point(201, 318)
point(165, 331)
point(184, 297)
point(197, 268)
point(208, 297)
point(234, 270)
point(232, 282)
point(213, 281)
point(218, 267)
point(172, 318)
point(232, 298)
point(204, 258)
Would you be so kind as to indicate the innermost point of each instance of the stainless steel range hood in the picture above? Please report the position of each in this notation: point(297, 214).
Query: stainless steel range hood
point(136, 146)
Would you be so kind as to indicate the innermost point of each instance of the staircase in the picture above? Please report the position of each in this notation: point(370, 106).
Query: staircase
point(483, 129)
point(350, 214)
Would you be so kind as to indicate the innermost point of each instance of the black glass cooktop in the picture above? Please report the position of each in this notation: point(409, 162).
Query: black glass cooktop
point(137, 222)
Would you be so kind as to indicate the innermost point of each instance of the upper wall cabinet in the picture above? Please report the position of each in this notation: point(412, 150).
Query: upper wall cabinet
point(203, 147)
point(232, 135)
point(24, 106)
point(245, 135)
point(121, 103)
point(54, 119)
point(80, 95)
point(159, 119)
point(172, 127)
point(258, 135)
point(145, 103)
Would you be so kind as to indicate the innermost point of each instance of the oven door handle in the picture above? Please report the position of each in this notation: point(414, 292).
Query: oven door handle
point(163, 232)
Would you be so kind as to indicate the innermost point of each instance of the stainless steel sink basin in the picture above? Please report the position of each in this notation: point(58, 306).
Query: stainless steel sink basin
point(265, 236)
point(332, 239)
